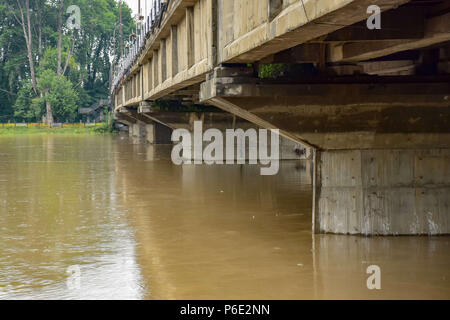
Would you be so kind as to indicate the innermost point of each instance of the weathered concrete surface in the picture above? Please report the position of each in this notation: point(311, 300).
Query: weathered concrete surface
point(436, 30)
point(138, 131)
point(383, 192)
point(289, 150)
point(334, 107)
point(147, 125)
point(197, 35)
point(342, 114)
point(123, 118)
point(244, 38)
point(156, 133)
point(151, 133)
point(142, 129)
point(382, 149)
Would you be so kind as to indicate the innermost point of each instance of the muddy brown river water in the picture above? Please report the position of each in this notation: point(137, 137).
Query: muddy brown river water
point(135, 226)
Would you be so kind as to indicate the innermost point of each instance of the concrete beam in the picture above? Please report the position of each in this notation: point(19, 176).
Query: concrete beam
point(403, 23)
point(298, 23)
point(389, 67)
point(173, 120)
point(437, 30)
point(133, 114)
point(329, 116)
point(123, 118)
point(289, 150)
point(185, 120)
point(305, 53)
point(369, 90)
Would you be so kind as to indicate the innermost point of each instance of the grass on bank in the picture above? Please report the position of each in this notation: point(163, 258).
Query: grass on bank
point(102, 129)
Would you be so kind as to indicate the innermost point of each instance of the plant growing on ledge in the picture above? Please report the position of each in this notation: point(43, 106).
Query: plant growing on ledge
point(271, 71)
point(282, 70)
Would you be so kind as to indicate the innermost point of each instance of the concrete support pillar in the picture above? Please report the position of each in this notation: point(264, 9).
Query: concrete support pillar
point(137, 130)
point(382, 192)
point(162, 134)
point(150, 134)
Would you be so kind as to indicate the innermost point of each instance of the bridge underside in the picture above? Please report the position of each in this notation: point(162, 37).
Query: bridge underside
point(374, 105)
point(155, 126)
point(382, 146)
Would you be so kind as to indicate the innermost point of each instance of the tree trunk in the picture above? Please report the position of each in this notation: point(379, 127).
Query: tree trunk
point(39, 33)
point(60, 14)
point(25, 21)
point(69, 54)
point(30, 47)
point(49, 116)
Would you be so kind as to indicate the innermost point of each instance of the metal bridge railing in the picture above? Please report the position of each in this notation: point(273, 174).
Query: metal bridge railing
point(144, 30)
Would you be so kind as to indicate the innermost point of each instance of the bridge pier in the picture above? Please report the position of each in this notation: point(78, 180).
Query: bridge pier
point(143, 129)
point(138, 131)
point(382, 191)
point(382, 152)
point(373, 104)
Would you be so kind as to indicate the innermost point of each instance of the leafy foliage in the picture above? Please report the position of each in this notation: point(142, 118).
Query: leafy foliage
point(60, 94)
point(27, 107)
point(91, 51)
point(271, 71)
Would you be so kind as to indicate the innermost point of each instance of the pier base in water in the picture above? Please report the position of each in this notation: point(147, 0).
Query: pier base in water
point(153, 133)
point(382, 192)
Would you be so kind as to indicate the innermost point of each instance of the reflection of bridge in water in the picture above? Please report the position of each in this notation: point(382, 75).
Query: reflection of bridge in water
point(96, 111)
point(373, 104)
point(225, 232)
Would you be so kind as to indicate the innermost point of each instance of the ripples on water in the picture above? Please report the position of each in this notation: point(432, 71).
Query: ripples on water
point(139, 227)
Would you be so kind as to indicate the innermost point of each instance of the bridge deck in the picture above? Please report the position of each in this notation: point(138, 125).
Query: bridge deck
point(194, 36)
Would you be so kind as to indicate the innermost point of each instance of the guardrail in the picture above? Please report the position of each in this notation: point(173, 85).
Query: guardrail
point(148, 26)
point(55, 125)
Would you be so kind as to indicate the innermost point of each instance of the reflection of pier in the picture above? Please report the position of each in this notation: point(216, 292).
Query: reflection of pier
point(408, 265)
point(193, 222)
point(373, 104)
point(224, 232)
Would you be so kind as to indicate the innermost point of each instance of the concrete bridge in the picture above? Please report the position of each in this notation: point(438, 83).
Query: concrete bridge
point(373, 104)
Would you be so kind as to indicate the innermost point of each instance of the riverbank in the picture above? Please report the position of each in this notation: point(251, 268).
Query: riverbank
point(98, 129)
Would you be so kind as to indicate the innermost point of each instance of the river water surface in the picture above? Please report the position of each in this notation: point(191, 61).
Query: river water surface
point(136, 226)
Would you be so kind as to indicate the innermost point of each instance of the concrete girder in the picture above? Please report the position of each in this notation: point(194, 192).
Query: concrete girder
point(381, 149)
point(437, 30)
point(342, 115)
point(123, 118)
point(299, 23)
point(222, 121)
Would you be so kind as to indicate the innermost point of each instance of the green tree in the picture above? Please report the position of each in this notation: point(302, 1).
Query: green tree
point(64, 99)
point(96, 45)
point(27, 107)
point(59, 95)
point(30, 35)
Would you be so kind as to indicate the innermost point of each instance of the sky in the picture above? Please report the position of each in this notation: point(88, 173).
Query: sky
point(133, 4)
